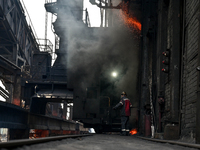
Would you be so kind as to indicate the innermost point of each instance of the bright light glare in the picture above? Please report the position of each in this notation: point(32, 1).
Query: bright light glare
point(94, 13)
point(114, 74)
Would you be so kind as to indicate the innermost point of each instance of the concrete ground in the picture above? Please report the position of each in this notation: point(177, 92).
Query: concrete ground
point(104, 142)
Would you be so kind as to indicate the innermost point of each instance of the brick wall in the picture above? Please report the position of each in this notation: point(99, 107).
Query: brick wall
point(189, 62)
point(179, 33)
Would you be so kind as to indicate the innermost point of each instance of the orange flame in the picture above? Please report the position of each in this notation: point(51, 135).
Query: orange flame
point(131, 22)
point(133, 131)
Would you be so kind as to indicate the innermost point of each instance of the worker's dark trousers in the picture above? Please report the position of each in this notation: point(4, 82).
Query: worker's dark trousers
point(125, 124)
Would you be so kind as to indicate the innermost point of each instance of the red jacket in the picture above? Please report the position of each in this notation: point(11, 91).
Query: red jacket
point(125, 106)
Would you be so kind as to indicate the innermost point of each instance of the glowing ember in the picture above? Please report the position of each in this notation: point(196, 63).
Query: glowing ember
point(36, 133)
point(16, 102)
point(133, 131)
point(131, 22)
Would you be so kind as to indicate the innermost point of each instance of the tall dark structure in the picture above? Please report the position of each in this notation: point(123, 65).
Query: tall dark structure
point(30, 94)
point(170, 76)
point(69, 14)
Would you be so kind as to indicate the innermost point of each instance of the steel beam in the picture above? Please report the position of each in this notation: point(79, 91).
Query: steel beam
point(5, 79)
point(7, 50)
point(15, 117)
point(12, 116)
point(8, 66)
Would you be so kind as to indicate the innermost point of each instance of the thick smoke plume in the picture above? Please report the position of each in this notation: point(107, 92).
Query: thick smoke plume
point(96, 52)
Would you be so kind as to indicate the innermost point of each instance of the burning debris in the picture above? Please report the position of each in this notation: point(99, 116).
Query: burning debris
point(133, 131)
point(130, 21)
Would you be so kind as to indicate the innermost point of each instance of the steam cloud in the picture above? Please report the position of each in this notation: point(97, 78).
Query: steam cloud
point(92, 52)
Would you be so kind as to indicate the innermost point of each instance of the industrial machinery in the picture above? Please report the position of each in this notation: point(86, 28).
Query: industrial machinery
point(93, 106)
point(89, 55)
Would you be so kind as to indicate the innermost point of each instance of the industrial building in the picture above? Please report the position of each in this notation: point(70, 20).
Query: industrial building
point(151, 45)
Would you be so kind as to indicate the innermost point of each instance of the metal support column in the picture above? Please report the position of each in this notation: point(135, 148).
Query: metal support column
point(17, 91)
point(144, 66)
point(161, 47)
point(175, 62)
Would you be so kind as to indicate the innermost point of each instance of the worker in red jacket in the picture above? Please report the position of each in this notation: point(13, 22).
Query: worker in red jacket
point(124, 106)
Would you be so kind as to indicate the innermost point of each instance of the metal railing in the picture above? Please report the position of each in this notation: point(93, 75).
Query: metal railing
point(45, 45)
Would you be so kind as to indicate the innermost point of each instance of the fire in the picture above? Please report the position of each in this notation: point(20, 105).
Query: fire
point(134, 23)
point(133, 131)
point(131, 22)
